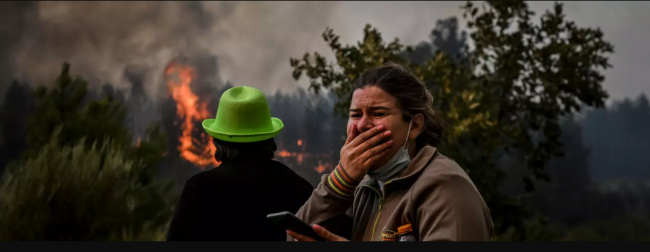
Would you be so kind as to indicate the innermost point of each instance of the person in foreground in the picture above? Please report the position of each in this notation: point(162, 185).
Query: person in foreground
point(225, 203)
point(391, 183)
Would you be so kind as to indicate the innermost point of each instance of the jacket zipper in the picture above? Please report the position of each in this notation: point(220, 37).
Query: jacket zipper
point(381, 203)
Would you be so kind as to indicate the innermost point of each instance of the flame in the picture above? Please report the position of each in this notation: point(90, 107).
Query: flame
point(190, 110)
point(320, 168)
point(285, 154)
point(324, 167)
point(138, 142)
point(308, 159)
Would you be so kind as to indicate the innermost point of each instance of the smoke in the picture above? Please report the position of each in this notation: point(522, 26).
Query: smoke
point(101, 39)
point(253, 40)
point(13, 17)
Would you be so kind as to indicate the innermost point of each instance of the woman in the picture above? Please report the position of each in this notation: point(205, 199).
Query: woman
point(390, 177)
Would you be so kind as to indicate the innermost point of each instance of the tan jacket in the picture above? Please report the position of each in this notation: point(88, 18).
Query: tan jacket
point(433, 194)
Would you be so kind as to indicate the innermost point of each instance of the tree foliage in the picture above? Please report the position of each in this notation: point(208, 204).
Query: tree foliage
point(63, 105)
point(78, 193)
point(504, 96)
point(69, 105)
point(61, 188)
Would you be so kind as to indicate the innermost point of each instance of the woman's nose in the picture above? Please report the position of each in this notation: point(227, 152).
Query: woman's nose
point(364, 124)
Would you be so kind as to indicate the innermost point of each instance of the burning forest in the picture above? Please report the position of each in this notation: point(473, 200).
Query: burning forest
point(189, 109)
point(151, 167)
point(192, 95)
point(190, 92)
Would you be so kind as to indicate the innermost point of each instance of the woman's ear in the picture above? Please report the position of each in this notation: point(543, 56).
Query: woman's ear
point(417, 126)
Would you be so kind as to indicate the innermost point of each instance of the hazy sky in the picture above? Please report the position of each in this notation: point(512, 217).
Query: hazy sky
point(625, 24)
point(253, 41)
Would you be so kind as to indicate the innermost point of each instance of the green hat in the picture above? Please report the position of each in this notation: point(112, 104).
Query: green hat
point(243, 116)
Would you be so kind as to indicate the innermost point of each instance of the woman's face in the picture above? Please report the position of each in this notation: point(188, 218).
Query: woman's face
point(371, 107)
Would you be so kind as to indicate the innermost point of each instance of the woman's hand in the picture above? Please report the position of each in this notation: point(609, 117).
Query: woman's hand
point(361, 151)
point(327, 235)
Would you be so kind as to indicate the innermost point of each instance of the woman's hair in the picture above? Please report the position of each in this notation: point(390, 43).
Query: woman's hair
point(257, 151)
point(411, 94)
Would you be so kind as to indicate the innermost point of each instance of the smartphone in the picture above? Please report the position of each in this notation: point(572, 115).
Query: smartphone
point(288, 221)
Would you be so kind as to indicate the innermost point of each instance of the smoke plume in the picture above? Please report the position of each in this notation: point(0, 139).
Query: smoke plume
point(102, 39)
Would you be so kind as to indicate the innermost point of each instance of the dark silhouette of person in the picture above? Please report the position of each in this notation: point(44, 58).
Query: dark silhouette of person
point(230, 202)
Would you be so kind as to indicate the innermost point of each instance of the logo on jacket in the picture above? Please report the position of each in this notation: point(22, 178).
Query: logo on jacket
point(388, 235)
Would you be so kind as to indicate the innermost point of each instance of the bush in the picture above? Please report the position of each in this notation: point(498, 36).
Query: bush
point(77, 193)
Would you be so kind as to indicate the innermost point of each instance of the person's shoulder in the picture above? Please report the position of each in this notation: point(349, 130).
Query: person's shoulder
point(207, 176)
point(288, 173)
point(445, 187)
point(444, 181)
point(442, 170)
point(281, 168)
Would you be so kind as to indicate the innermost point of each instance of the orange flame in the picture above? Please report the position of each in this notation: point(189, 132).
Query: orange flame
point(300, 157)
point(190, 109)
point(320, 168)
point(138, 142)
point(285, 154)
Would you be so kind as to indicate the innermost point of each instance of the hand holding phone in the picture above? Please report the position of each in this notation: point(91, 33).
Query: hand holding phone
point(288, 221)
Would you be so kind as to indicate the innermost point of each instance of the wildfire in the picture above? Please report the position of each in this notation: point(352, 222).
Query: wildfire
point(190, 110)
point(321, 168)
point(285, 154)
point(300, 157)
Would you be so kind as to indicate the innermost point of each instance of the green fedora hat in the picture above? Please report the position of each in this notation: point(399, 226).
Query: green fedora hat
point(243, 116)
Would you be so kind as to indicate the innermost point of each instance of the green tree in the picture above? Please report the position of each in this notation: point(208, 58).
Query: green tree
point(506, 95)
point(66, 105)
point(80, 122)
point(63, 105)
point(74, 193)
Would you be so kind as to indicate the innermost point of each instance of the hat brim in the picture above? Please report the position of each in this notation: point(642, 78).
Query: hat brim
point(243, 137)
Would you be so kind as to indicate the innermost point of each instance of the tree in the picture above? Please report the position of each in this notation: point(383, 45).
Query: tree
point(566, 198)
point(619, 138)
point(504, 96)
point(62, 105)
point(74, 193)
point(445, 37)
point(80, 125)
point(14, 113)
point(95, 120)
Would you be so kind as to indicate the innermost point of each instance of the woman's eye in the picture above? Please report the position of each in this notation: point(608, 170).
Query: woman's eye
point(355, 115)
point(380, 114)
